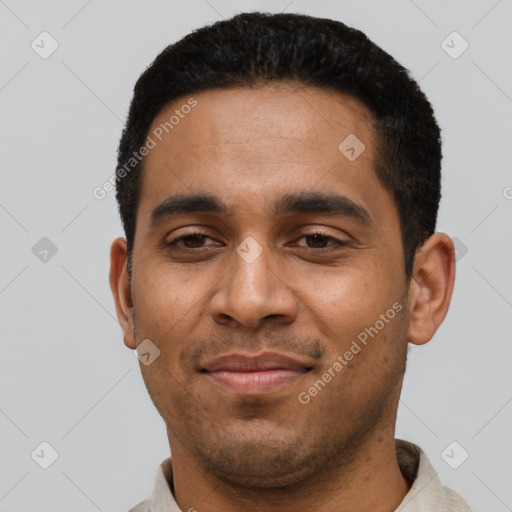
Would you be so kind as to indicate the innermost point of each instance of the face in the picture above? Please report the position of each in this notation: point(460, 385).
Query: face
point(257, 235)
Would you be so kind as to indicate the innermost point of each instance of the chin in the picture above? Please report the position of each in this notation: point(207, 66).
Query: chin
point(258, 458)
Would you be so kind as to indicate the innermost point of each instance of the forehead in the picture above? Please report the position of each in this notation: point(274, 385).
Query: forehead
point(278, 137)
point(292, 113)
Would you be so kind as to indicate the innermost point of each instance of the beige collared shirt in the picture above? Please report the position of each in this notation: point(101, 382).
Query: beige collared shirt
point(426, 493)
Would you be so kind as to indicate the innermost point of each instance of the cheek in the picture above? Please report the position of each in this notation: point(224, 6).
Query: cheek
point(161, 312)
point(163, 299)
point(350, 299)
point(164, 313)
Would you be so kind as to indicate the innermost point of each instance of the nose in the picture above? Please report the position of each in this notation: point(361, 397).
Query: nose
point(253, 292)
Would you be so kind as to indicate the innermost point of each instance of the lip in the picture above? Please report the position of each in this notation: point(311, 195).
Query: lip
point(255, 374)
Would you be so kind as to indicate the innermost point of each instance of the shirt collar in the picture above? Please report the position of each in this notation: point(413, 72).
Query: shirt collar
point(426, 494)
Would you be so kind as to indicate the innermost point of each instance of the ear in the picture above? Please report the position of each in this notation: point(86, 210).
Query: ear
point(431, 287)
point(121, 289)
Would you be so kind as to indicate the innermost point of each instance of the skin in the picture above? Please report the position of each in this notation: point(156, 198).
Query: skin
point(197, 301)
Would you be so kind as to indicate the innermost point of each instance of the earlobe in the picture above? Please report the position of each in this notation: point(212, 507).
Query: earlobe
point(121, 290)
point(431, 287)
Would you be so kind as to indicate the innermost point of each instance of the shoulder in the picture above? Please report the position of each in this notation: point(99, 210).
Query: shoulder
point(143, 506)
point(454, 502)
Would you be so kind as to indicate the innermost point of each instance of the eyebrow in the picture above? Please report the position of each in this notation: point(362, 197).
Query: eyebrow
point(302, 202)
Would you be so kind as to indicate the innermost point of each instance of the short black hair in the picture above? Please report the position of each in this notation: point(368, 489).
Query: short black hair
point(254, 48)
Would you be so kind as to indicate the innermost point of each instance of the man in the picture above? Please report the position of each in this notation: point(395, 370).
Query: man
point(278, 182)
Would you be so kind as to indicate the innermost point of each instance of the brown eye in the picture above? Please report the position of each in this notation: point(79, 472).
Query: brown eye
point(190, 241)
point(321, 242)
point(317, 240)
point(193, 241)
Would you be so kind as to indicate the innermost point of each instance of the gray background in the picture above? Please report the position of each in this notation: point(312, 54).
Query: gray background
point(66, 376)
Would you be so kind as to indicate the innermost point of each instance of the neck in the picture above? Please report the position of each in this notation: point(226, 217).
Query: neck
point(371, 481)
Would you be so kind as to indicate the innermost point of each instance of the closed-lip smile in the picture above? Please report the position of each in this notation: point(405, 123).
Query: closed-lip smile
point(255, 374)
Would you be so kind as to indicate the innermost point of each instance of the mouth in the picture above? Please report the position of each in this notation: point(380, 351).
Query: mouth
point(253, 375)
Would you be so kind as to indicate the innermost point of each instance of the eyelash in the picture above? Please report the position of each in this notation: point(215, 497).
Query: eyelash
point(339, 243)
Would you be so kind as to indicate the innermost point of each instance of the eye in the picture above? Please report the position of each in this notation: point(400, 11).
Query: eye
point(318, 241)
point(190, 241)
